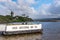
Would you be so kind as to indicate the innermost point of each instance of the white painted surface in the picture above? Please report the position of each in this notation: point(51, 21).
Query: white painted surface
point(23, 27)
point(2, 27)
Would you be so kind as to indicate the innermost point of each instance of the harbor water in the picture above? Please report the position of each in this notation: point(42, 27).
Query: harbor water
point(51, 31)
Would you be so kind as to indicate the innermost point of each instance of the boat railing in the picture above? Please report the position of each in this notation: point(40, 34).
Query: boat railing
point(22, 23)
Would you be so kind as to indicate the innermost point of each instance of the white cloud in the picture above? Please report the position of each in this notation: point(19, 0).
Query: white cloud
point(18, 8)
point(23, 7)
point(2, 0)
point(4, 10)
point(50, 10)
point(31, 1)
point(55, 8)
point(44, 9)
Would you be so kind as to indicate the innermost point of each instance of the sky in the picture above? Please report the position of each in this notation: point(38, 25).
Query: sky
point(35, 9)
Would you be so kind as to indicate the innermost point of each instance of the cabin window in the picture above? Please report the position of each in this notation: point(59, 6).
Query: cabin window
point(35, 26)
point(20, 27)
point(23, 27)
point(26, 27)
point(14, 28)
point(31, 26)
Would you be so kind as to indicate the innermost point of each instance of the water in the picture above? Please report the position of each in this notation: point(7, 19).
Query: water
point(51, 31)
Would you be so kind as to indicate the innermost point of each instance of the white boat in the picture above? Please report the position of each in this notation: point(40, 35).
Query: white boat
point(20, 28)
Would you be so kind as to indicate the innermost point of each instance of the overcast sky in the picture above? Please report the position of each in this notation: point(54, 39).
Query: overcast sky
point(36, 9)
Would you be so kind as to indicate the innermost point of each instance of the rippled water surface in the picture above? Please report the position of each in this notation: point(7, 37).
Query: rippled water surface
point(51, 31)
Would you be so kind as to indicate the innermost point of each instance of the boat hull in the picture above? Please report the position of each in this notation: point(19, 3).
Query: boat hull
point(20, 29)
point(22, 32)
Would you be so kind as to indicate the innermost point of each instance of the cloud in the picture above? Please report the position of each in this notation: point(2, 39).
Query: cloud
point(31, 1)
point(44, 9)
point(51, 10)
point(55, 8)
point(3, 10)
point(3, 0)
point(19, 7)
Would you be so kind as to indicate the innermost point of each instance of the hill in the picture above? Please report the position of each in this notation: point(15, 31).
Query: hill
point(8, 18)
point(48, 20)
point(12, 18)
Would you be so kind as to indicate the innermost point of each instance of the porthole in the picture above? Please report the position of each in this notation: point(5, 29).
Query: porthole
point(14, 28)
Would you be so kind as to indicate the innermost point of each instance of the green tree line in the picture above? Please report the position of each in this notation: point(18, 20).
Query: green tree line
point(10, 18)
